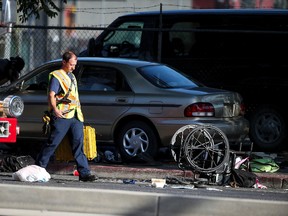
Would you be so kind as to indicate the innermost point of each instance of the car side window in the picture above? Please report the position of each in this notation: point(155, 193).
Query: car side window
point(102, 79)
point(38, 82)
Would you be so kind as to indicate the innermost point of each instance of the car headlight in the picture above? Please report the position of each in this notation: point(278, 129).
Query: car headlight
point(12, 106)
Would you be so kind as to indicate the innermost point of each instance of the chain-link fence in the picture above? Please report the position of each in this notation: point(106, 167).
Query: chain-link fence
point(183, 47)
point(40, 44)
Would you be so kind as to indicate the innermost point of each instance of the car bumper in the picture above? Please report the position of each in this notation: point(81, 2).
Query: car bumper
point(235, 129)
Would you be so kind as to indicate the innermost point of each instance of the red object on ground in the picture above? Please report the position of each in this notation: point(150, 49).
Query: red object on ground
point(75, 173)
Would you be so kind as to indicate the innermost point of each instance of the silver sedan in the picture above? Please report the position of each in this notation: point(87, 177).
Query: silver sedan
point(135, 105)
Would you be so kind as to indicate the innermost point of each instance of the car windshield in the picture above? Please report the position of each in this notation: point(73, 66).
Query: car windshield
point(166, 77)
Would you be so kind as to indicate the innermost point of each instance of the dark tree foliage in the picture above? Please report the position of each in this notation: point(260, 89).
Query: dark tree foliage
point(33, 7)
point(28, 8)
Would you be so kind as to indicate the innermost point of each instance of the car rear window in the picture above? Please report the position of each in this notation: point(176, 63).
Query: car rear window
point(166, 77)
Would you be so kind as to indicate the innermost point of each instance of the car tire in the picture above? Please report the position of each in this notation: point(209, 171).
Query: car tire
point(136, 138)
point(267, 129)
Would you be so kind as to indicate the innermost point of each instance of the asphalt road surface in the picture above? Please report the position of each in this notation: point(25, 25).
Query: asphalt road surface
point(65, 194)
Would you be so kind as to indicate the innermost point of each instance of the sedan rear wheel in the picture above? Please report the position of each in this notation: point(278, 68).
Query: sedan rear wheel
point(136, 138)
point(267, 129)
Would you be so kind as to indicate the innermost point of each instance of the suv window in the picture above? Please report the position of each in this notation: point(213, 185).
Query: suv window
point(182, 42)
point(123, 43)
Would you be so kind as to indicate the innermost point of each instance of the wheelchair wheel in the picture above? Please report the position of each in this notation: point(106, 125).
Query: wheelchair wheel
point(206, 149)
point(176, 144)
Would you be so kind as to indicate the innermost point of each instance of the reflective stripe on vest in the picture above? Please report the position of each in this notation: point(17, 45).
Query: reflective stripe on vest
point(68, 109)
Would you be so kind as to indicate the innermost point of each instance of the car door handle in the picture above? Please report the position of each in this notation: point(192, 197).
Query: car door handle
point(122, 100)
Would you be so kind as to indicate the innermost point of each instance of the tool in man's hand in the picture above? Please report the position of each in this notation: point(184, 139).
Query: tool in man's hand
point(46, 120)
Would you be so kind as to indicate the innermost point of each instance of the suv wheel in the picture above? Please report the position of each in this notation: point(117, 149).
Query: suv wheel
point(136, 137)
point(267, 129)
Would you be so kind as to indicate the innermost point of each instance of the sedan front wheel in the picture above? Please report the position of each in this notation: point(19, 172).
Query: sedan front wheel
point(136, 137)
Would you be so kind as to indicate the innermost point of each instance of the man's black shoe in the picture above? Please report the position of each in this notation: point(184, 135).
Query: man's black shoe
point(88, 178)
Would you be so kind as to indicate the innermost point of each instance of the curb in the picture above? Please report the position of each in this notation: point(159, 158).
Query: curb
point(122, 171)
point(274, 180)
point(143, 172)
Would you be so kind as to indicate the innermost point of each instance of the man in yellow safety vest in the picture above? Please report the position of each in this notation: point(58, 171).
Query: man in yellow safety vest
point(66, 117)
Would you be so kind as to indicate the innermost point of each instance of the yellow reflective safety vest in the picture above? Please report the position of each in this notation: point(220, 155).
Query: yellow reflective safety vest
point(71, 106)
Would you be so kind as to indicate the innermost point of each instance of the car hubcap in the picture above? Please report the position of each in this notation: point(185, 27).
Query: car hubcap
point(135, 141)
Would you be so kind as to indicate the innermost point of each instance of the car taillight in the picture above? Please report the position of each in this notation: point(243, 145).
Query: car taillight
point(199, 110)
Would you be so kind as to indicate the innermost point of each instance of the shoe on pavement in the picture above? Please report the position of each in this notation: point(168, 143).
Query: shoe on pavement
point(88, 178)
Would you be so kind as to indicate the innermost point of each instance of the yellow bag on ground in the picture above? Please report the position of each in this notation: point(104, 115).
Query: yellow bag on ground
point(64, 152)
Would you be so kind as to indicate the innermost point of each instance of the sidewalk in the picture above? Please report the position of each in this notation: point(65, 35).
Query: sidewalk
point(165, 168)
point(278, 180)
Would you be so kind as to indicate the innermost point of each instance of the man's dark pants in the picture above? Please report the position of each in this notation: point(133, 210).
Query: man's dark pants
point(59, 128)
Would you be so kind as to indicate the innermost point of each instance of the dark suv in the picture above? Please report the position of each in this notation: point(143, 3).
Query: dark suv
point(238, 50)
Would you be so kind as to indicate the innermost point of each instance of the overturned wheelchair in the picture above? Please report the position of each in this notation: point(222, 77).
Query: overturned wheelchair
point(205, 150)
